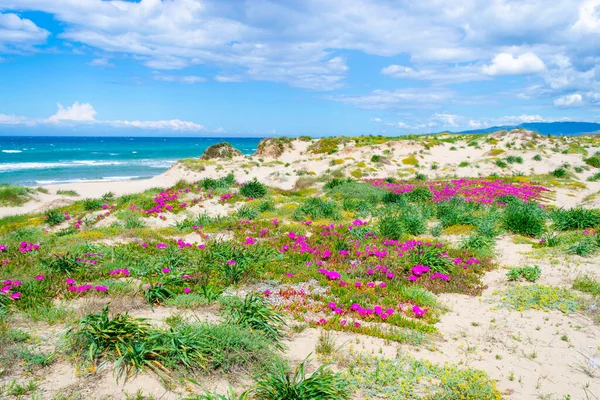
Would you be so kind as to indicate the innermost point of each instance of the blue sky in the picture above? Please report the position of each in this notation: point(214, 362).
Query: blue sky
point(292, 67)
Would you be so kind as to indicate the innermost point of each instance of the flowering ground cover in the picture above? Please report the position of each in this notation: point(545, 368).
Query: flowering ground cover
point(360, 257)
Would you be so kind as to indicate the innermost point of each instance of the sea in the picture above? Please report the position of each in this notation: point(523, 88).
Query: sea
point(39, 160)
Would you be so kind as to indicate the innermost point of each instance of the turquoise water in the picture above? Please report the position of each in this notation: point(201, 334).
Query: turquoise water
point(50, 160)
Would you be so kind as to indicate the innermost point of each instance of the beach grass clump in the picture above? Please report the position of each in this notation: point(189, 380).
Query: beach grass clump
point(317, 208)
point(593, 161)
point(583, 248)
point(54, 217)
point(587, 284)
point(70, 193)
point(540, 297)
point(323, 384)
point(92, 204)
point(526, 219)
point(404, 377)
point(325, 146)
point(253, 189)
point(134, 346)
point(254, 313)
point(13, 196)
point(575, 218)
point(529, 273)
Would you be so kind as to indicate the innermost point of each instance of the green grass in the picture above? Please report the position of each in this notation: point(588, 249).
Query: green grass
point(63, 192)
point(539, 297)
point(13, 196)
point(587, 284)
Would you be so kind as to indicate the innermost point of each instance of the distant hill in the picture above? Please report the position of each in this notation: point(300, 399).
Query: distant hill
point(547, 128)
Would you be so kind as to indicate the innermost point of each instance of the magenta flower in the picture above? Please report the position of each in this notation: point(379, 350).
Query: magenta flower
point(357, 324)
point(101, 288)
point(267, 293)
point(39, 277)
point(357, 284)
point(419, 312)
point(161, 246)
point(166, 270)
point(187, 290)
point(69, 281)
point(15, 296)
point(413, 278)
point(343, 322)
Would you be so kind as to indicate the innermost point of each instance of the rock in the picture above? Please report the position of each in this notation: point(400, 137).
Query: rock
point(223, 151)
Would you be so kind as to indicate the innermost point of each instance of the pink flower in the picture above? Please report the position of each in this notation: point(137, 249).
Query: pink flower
point(343, 322)
point(358, 284)
point(357, 324)
point(267, 292)
point(382, 284)
point(413, 278)
point(15, 296)
point(39, 277)
point(101, 288)
point(289, 275)
point(69, 281)
point(419, 312)
point(161, 246)
point(166, 270)
point(187, 290)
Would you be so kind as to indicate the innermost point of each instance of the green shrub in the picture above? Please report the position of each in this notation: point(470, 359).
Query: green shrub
point(540, 297)
point(54, 217)
point(418, 194)
point(583, 247)
point(253, 189)
point(92, 204)
point(321, 385)
point(247, 212)
point(501, 164)
point(463, 164)
point(530, 274)
point(575, 218)
point(14, 195)
point(72, 193)
point(414, 223)
point(537, 157)
point(593, 161)
point(335, 182)
point(390, 226)
point(559, 173)
point(526, 219)
point(587, 284)
point(317, 208)
point(254, 312)
point(594, 178)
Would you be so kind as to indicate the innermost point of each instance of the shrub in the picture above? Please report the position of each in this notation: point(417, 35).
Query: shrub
point(253, 189)
point(501, 164)
point(254, 312)
point(414, 223)
point(537, 157)
point(14, 195)
point(593, 161)
point(420, 177)
point(67, 193)
point(54, 217)
point(560, 172)
point(92, 204)
point(583, 248)
point(526, 219)
point(419, 194)
point(587, 284)
point(335, 182)
point(575, 218)
point(530, 274)
point(410, 160)
point(317, 208)
point(247, 212)
point(321, 385)
point(390, 227)
point(463, 164)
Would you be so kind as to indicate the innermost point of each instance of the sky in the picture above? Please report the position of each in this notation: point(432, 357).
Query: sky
point(295, 67)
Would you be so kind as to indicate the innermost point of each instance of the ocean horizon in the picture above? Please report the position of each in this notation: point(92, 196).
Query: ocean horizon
point(45, 160)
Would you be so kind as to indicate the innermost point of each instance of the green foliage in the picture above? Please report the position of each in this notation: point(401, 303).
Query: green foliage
point(559, 173)
point(65, 263)
point(92, 204)
point(414, 223)
point(575, 218)
point(254, 312)
point(456, 212)
point(587, 284)
point(253, 189)
point(54, 217)
point(583, 247)
point(537, 157)
point(513, 159)
point(157, 293)
point(390, 226)
point(540, 297)
point(404, 377)
point(594, 178)
point(526, 219)
point(317, 208)
point(335, 182)
point(531, 274)
point(593, 161)
point(321, 385)
point(13, 196)
point(419, 194)
point(350, 189)
point(247, 212)
point(71, 193)
point(501, 163)
point(219, 183)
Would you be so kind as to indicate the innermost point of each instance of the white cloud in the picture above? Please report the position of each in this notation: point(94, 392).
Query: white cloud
point(187, 79)
point(101, 62)
point(81, 112)
point(19, 33)
point(589, 18)
point(376, 119)
point(401, 98)
point(173, 124)
point(507, 64)
point(447, 119)
point(571, 100)
point(475, 124)
point(229, 78)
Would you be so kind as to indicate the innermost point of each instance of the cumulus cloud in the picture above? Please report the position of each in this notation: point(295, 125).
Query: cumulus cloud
point(571, 100)
point(19, 33)
point(507, 64)
point(81, 112)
